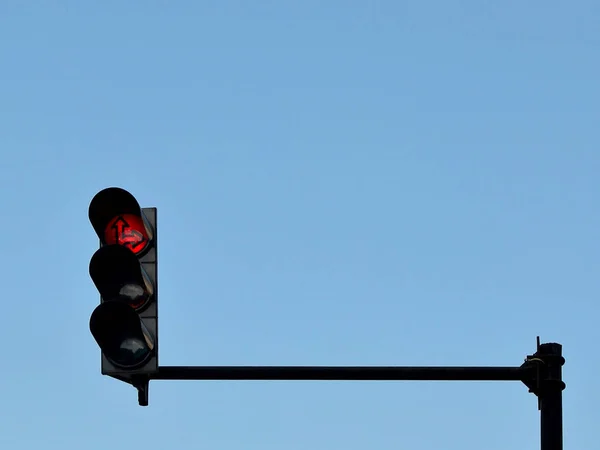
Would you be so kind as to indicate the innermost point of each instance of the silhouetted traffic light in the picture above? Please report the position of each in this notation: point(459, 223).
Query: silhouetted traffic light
point(124, 269)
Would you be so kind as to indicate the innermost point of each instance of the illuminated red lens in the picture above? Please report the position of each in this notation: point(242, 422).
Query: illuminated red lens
point(127, 230)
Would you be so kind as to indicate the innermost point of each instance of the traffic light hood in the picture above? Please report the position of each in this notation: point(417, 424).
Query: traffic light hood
point(118, 275)
point(117, 218)
point(121, 335)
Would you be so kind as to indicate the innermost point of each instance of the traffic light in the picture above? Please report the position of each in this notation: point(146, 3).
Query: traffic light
point(124, 270)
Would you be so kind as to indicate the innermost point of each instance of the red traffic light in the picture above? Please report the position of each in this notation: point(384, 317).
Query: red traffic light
point(124, 269)
point(117, 218)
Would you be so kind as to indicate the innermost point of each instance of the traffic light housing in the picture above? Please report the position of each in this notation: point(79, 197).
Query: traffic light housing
point(124, 270)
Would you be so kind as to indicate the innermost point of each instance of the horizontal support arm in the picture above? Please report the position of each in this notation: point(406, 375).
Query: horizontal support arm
point(342, 373)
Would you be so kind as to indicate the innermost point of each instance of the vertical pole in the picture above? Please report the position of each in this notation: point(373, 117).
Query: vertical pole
point(550, 396)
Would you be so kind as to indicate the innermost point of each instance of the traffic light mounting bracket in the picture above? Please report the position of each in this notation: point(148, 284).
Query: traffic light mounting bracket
point(541, 373)
point(142, 386)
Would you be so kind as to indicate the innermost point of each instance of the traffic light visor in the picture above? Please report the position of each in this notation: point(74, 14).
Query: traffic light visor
point(117, 218)
point(121, 335)
point(118, 275)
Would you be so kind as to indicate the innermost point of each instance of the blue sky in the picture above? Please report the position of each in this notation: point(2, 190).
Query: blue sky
point(337, 182)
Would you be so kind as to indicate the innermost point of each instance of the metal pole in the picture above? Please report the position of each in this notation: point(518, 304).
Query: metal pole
point(541, 373)
point(342, 373)
point(550, 396)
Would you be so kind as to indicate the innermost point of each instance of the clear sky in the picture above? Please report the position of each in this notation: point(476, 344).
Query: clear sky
point(338, 182)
